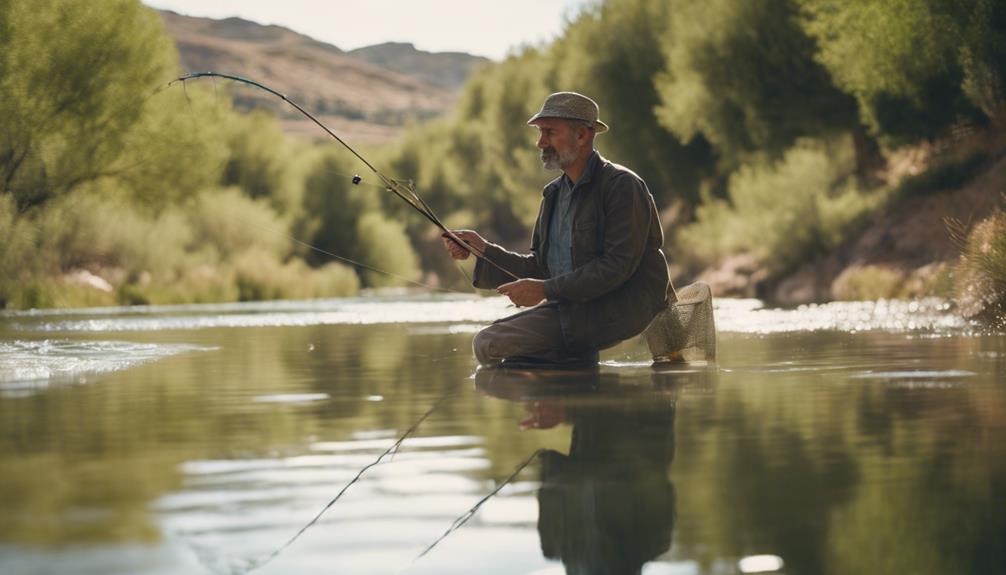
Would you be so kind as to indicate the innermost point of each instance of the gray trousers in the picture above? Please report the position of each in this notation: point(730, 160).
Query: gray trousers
point(534, 333)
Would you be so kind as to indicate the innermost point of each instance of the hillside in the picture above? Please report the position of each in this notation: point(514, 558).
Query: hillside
point(904, 249)
point(445, 69)
point(368, 94)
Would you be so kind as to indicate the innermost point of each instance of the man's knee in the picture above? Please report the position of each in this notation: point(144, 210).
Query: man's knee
point(482, 345)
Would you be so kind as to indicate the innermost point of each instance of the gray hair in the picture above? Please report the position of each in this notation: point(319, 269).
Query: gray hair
point(582, 124)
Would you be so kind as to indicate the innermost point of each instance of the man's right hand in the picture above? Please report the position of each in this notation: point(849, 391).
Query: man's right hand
point(470, 237)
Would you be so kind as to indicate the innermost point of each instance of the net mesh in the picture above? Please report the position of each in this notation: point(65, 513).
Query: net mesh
point(685, 330)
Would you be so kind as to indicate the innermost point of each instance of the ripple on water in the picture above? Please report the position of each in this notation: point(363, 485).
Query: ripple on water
point(917, 379)
point(27, 365)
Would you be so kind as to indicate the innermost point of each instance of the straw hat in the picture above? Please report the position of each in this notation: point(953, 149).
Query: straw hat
point(571, 106)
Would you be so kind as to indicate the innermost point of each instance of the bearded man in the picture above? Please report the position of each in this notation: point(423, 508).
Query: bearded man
point(595, 274)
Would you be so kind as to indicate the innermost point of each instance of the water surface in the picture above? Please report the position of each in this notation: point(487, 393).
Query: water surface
point(845, 438)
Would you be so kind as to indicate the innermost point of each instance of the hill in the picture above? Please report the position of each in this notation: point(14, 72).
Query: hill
point(368, 94)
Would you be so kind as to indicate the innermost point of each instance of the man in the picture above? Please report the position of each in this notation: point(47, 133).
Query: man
point(595, 255)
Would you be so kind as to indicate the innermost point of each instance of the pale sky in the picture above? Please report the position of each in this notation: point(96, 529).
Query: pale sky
point(483, 27)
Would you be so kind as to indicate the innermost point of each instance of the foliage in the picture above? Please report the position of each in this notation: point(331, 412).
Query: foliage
point(743, 76)
point(331, 207)
point(736, 113)
point(228, 223)
point(900, 59)
point(783, 214)
point(983, 57)
point(385, 246)
point(72, 76)
point(613, 52)
point(981, 274)
point(263, 163)
point(163, 194)
point(867, 283)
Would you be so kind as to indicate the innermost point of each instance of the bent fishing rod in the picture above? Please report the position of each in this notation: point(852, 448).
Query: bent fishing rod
point(404, 189)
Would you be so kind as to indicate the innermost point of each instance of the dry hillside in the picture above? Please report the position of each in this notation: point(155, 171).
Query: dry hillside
point(368, 94)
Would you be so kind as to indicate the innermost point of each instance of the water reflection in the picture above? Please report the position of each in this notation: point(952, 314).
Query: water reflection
point(608, 505)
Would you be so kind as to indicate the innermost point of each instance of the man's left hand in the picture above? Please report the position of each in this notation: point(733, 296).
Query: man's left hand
point(525, 293)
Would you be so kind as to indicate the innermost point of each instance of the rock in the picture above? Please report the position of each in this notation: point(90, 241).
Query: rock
point(86, 278)
point(809, 284)
point(738, 276)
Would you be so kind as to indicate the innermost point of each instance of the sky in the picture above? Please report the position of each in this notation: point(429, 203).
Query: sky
point(483, 27)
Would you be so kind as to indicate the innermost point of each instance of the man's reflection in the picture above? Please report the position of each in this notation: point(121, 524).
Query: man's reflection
point(608, 506)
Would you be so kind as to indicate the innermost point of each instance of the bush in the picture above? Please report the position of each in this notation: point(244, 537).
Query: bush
point(259, 276)
point(17, 256)
point(981, 273)
point(782, 213)
point(384, 246)
point(230, 223)
point(868, 283)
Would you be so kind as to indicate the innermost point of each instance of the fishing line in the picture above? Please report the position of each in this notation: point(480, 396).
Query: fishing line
point(355, 178)
point(404, 189)
point(464, 517)
point(255, 564)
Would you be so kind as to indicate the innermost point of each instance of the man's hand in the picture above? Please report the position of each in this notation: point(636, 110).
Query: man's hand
point(543, 415)
point(526, 292)
point(469, 237)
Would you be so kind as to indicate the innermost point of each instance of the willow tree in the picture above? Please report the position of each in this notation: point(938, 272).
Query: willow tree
point(906, 61)
point(74, 76)
point(612, 52)
point(743, 75)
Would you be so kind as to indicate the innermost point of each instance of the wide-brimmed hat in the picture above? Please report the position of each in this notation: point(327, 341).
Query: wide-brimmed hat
point(570, 106)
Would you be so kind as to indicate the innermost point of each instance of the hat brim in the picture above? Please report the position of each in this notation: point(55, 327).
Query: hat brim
point(599, 126)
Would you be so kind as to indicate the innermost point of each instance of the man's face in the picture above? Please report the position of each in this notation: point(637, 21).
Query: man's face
point(557, 142)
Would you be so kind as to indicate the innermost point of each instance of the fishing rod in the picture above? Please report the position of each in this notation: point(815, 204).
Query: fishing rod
point(404, 189)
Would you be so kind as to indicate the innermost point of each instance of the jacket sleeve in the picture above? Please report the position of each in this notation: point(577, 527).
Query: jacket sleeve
point(627, 222)
point(488, 276)
point(530, 265)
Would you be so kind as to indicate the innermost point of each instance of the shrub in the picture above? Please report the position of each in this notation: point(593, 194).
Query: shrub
point(781, 213)
point(229, 223)
point(868, 283)
point(384, 246)
point(259, 276)
point(17, 260)
point(981, 273)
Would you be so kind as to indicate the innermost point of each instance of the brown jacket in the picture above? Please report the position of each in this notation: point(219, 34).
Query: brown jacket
point(619, 279)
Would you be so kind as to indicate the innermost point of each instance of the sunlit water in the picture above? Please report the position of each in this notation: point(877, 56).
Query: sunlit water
point(841, 438)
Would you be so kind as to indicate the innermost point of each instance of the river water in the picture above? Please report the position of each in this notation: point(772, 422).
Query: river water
point(843, 438)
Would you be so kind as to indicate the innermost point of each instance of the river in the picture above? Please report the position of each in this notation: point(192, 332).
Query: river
point(854, 438)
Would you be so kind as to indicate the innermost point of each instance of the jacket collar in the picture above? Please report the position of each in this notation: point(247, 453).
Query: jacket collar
point(593, 164)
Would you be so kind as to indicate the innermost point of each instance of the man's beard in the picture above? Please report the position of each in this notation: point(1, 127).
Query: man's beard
point(551, 159)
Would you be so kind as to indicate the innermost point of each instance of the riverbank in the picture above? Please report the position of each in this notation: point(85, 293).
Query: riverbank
point(909, 247)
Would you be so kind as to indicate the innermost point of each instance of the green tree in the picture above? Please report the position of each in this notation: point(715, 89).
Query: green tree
point(263, 163)
point(743, 75)
point(384, 246)
point(332, 205)
point(901, 60)
point(983, 57)
point(612, 52)
point(74, 76)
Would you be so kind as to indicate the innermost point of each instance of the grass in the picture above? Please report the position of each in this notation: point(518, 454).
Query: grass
point(981, 273)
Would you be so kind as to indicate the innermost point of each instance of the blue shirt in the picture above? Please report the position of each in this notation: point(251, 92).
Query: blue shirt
point(559, 258)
